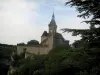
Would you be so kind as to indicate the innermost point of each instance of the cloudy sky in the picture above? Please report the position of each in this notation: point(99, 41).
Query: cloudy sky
point(24, 20)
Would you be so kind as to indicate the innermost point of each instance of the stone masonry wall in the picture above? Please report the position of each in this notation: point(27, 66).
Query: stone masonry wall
point(33, 49)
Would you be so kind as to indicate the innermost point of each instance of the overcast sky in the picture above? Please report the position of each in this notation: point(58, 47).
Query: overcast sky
point(24, 20)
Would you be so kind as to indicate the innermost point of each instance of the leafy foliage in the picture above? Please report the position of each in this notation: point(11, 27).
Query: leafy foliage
point(88, 9)
point(5, 57)
point(33, 42)
point(60, 61)
point(21, 43)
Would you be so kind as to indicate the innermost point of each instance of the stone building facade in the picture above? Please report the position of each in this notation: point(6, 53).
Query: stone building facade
point(48, 41)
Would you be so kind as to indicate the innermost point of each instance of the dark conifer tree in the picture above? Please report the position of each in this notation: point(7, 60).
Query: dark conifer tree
point(88, 9)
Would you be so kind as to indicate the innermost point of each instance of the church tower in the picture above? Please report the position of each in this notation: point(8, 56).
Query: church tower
point(52, 32)
point(52, 26)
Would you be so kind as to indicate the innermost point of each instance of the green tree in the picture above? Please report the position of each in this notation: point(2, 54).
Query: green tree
point(21, 43)
point(88, 9)
point(5, 57)
point(60, 61)
point(33, 42)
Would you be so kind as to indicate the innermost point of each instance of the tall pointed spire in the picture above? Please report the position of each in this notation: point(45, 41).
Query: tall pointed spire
point(53, 20)
point(52, 25)
point(53, 16)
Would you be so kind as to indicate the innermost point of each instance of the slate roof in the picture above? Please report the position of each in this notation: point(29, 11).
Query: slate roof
point(58, 36)
point(45, 33)
point(53, 22)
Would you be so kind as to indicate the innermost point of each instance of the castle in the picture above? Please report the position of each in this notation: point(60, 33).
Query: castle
point(48, 41)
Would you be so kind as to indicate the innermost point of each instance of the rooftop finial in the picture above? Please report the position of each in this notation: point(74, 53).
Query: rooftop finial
point(53, 16)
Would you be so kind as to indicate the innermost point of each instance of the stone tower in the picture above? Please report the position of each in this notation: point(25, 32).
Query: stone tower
point(52, 32)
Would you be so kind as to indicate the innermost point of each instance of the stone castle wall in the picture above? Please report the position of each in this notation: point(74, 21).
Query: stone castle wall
point(37, 49)
point(33, 49)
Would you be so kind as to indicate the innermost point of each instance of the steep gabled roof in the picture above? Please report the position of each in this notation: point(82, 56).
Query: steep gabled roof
point(45, 33)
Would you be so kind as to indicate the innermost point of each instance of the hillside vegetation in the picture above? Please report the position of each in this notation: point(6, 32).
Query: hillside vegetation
point(60, 61)
point(5, 57)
